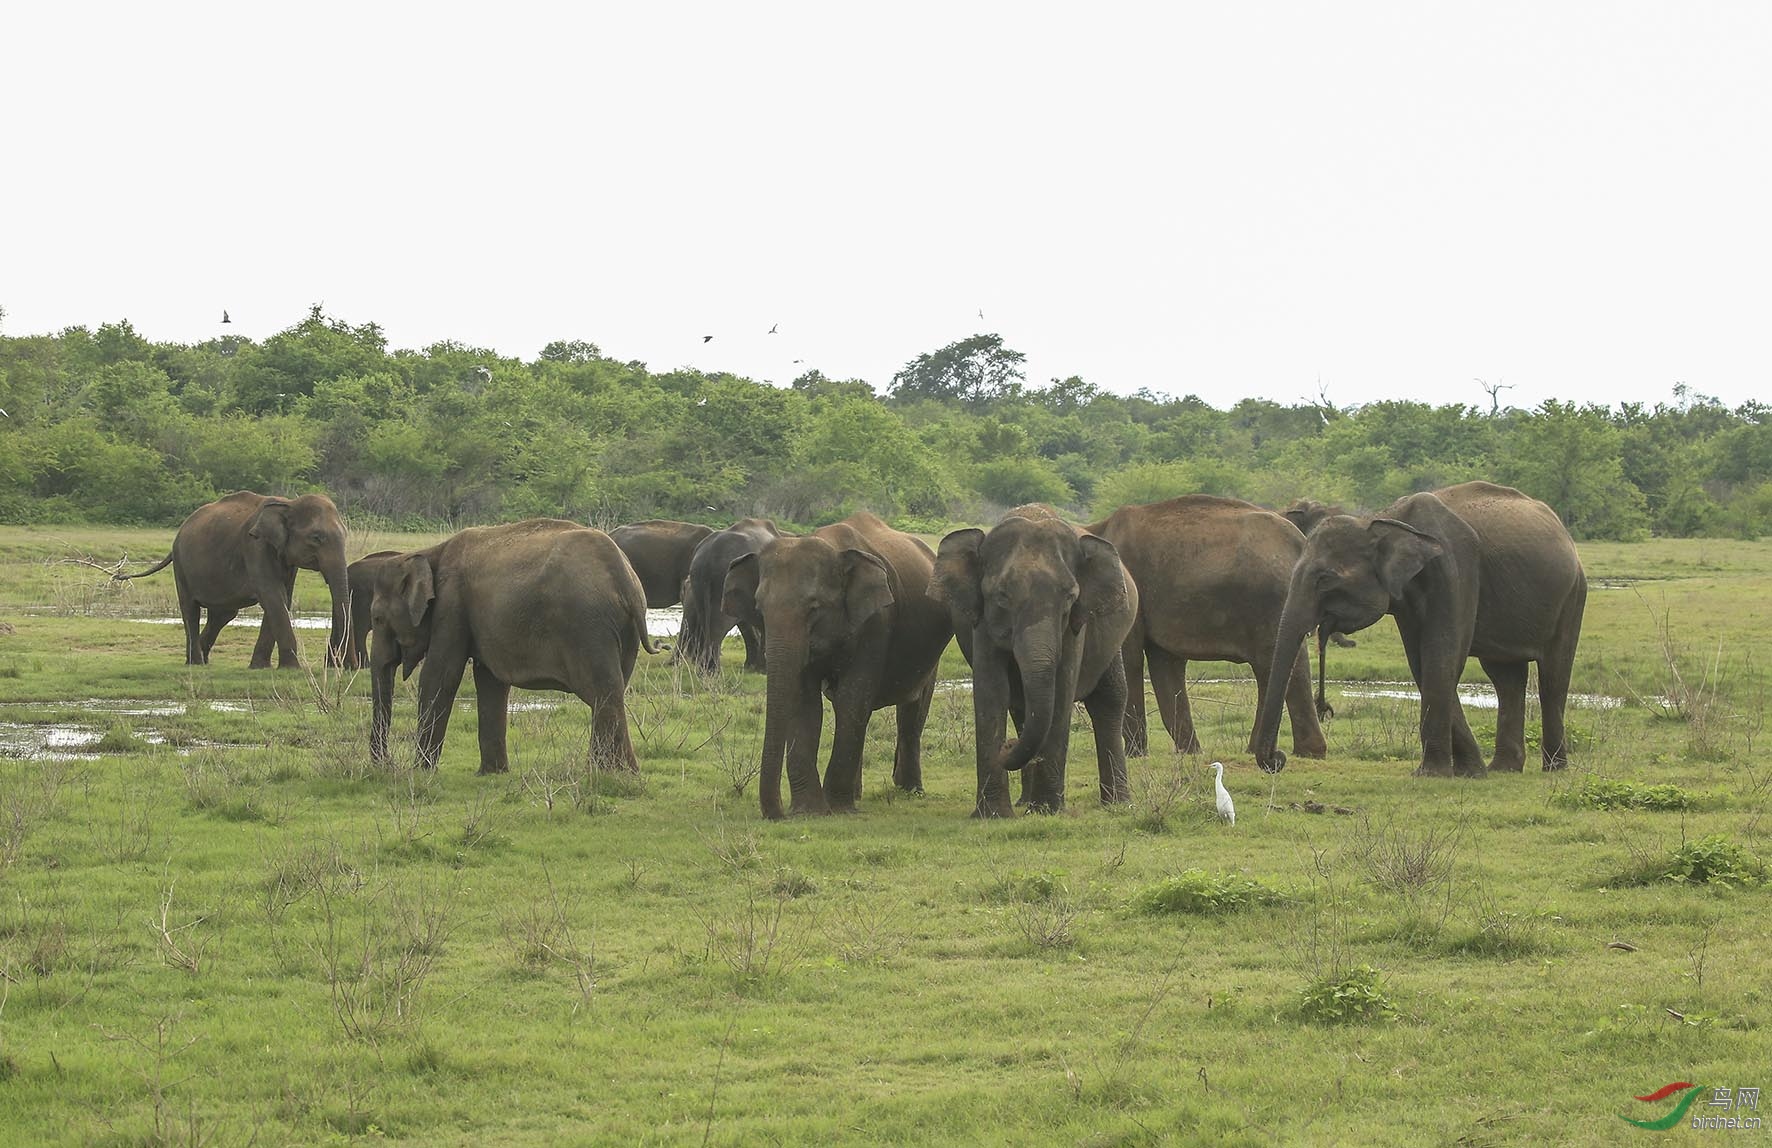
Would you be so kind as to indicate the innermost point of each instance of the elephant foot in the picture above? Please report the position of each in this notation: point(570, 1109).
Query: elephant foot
point(1500, 766)
point(984, 812)
point(1317, 749)
point(1046, 806)
point(809, 809)
point(1434, 770)
point(1273, 764)
point(494, 767)
point(1473, 772)
point(1556, 763)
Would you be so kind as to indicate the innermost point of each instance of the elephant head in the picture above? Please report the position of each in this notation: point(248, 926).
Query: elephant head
point(1028, 588)
point(303, 533)
point(1352, 573)
point(812, 599)
point(404, 588)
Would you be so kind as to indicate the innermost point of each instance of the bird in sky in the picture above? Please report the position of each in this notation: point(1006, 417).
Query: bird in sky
point(707, 338)
point(225, 318)
point(773, 327)
point(981, 312)
point(1227, 808)
point(799, 360)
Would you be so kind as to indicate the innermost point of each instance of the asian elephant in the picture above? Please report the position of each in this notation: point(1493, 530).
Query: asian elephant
point(1211, 575)
point(1473, 569)
point(845, 612)
point(705, 624)
point(543, 604)
point(360, 576)
point(660, 550)
point(1307, 514)
point(1041, 610)
point(245, 549)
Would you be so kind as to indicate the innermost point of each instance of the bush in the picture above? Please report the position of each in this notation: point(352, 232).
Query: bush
point(1607, 793)
point(1354, 998)
point(1197, 891)
point(1714, 860)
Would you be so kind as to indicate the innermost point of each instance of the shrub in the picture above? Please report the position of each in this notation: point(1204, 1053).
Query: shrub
point(1714, 860)
point(1607, 793)
point(1354, 998)
point(1197, 891)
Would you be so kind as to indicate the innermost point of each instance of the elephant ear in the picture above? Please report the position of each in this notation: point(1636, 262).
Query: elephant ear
point(271, 525)
point(959, 571)
point(867, 588)
point(415, 589)
point(1403, 551)
point(739, 599)
point(1101, 580)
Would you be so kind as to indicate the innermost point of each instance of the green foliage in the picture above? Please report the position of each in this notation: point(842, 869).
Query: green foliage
point(1714, 859)
point(1611, 793)
point(1197, 891)
point(1353, 998)
point(105, 425)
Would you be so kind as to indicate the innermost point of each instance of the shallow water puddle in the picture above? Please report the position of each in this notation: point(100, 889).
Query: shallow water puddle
point(1473, 694)
point(663, 623)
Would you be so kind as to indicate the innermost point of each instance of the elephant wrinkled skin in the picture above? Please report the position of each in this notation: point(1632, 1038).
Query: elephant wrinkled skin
point(543, 604)
point(1473, 569)
point(360, 577)
point(245, 549)
point(845, 612)
point(1211, 575)
point(1041, 610)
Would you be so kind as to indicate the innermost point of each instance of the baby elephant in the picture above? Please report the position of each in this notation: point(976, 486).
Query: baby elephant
point(543, 604)
point(1041, 609)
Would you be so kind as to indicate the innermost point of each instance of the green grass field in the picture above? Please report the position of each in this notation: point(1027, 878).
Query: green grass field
point(225, 926)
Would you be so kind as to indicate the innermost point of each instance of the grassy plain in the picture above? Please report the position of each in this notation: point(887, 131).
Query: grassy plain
point(228, 927)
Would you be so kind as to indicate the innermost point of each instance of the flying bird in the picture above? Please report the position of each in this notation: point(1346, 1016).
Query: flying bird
point(772, 328)
point(707, 338)
point(1227, 808)
point(225, 318)
point(981, 312)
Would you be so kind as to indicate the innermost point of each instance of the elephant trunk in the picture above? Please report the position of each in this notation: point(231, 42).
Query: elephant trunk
point(382, 714)
point(1296, 620)
point(1325, 711)
point(791, 721)
point(1038, 647)
point(338, 581)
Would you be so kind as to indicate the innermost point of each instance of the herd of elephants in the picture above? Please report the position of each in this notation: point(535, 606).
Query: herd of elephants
point(1047, 613)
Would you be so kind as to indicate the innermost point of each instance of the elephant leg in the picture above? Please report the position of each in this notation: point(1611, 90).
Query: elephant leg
point(288, 654)
point(190, 613)
point(492, 698)
point(842, 776)
point(907, 755)
point(218, 619)
point(611, 746)
point(1107, 711)
point(1301, 707)
point(1553, 702)
point(1447, 745)
point(1132, 657)
point(1018, 716)
point(753, 648)
point(1510, 713)
point(991, 679)
point(1169, 683)
point(438, 680)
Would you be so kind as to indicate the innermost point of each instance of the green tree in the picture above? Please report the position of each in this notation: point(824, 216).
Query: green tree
point(975, 371)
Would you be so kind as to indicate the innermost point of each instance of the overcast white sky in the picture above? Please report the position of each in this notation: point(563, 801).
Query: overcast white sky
point(1228, 199)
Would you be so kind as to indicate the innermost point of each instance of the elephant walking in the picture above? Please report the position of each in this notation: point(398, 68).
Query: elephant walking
point(542, 604)
point(705, 624)
point(1211, 575)
point(245, 549)
point(660, 551)
point(845, 612)
point(1473, 569)
point(1041, 610)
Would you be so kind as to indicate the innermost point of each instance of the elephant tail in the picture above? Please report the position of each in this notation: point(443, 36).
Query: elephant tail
point(154, 569)
point(638, 611)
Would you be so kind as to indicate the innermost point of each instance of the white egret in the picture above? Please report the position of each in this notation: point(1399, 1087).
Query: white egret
point(1227, 808)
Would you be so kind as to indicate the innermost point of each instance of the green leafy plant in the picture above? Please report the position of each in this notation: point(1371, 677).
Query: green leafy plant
point(1610, 793)
point(1714, 860)
point(1354, 998)
point(1197, 891)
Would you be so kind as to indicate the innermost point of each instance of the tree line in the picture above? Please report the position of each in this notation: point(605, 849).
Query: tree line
point(103, 425)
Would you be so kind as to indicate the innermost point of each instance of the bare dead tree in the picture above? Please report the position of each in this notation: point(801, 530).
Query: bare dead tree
point(1493, 390)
